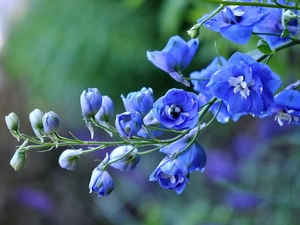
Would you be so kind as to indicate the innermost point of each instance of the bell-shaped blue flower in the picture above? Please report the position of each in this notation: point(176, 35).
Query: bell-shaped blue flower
point(245, 86)
point(51, 122)
point(192, 155)
point(90, 102)
point(128, 124)
point(101, 182)
point(175, 57)
point(171, 174)
point(287, 107)
point(69, 159)
point(36, 121)
point(140, 101)
point(178, 109)
point(127, 155)
point(235, 23)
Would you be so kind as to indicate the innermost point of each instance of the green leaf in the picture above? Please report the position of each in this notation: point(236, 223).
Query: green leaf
point(264, 47)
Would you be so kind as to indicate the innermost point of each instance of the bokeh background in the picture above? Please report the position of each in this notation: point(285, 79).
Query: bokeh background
point(50, 51)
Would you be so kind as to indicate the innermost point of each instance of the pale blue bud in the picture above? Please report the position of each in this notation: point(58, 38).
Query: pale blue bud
point(69, 159)
point(36, 121)
point(90, 102)
point(51, 122)
point(12, 122)
point(126, 163)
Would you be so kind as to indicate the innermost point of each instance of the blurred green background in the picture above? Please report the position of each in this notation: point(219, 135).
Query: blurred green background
point(53, 50)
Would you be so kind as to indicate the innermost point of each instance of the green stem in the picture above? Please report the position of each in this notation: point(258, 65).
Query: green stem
point(261, 4)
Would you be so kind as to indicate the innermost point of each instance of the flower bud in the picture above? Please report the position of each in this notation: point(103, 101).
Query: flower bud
point(12, 122)
point(194, 31)
point(69, 159)
point(289, 15)
point(36, 120)
point(140, 101)
point(126, 163)
point(106, 111)
point(51, 122)
point(90, 102)
point(18, 160)
point(101, 182)
point(128, 124)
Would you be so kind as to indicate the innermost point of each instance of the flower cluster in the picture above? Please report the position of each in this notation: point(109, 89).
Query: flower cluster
point(229, 88)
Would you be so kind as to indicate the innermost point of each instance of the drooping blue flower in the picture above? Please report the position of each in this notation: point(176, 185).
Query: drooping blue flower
point(192, 156)
point(171, 174)
point(235, 23)
point(127, 162)
point(51, 122)
point(36, 121)
point(69, 159)
point(245, 86)
point(178, 109)
point(140, 101)
point(200, 79)
point(128, 124)
point(101, 182)
point(175, 57)
point(272, 26)
point(287, 107)
point(90, 102)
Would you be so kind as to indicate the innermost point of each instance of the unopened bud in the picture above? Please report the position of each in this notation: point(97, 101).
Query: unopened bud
point(194, 31)
point(36, 120)
point(12, 122)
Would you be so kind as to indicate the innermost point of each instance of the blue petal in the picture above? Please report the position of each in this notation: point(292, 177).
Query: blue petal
point(236, 33)
point(162, 60)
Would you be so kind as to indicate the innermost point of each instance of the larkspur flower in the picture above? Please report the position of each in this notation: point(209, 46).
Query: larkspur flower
point(245, 86)
point(178, 109)
point(287, 107)
point(106, 111)
point(128, 162)
point(36, 121)
point(128, 124)
point(192, 156)
point(272, 26)
point(69, 159)
point(171, 174)
point(175, 57)
point(200, 79)
point(101, 182)
point(235, 23)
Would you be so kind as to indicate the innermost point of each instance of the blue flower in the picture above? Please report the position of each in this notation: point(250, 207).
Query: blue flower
point(192, 156)
point(90, 102)
point(69, 159)
point(245, 86)
point(200, 79)
point(235, 23)
point(51, 122)
point(140, 101)
point(175, 57)
point(287, 107)
point(101, 182)
point(178, 109)
point(272, 27)
point(128, 124)
point(171, 174)
point(128, 162)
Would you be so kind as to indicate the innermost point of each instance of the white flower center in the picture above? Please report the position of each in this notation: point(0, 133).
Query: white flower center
point(240, 85)
point(281, 116)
